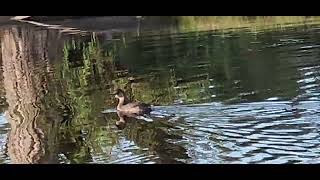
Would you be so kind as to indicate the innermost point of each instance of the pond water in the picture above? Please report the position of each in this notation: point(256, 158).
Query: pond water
point(239, 95)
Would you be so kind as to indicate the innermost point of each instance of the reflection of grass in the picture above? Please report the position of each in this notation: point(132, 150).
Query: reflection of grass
point(253, 23)
point(80, 80)
point(155, 96)
point(81, 72)
point(196, 46)
point(84, 61)
point(177, 82)
point(95, 141)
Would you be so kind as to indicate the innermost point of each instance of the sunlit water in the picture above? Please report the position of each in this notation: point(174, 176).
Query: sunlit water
point(219, 96)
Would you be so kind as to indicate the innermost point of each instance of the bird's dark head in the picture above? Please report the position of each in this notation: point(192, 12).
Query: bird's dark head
point(119, 94)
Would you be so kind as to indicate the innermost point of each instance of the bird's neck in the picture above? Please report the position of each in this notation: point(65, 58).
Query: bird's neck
point(120, 104)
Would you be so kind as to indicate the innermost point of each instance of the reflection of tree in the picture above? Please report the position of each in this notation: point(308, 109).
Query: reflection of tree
point(235, 69)
point(164, 68)
point(24, 56)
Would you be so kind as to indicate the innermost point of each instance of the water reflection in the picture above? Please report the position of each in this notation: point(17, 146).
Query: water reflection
point(152, 136)
point(26, 71)
point(123, 119)
point(220, 96)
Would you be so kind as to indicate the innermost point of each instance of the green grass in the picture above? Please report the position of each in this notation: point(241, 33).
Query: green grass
point(253, 23)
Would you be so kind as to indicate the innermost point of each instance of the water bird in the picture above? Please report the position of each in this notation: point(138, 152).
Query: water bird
point(128, 107)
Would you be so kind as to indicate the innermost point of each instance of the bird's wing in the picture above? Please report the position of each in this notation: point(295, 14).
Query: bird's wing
point(135, 104)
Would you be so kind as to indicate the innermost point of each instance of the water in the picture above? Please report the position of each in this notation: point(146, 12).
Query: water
point(219, 96)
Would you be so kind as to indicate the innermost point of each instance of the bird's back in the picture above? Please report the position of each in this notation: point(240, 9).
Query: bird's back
point(137, 107)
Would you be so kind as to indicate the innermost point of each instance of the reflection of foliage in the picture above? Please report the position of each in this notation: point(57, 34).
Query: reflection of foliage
point(80, 143)
point(90, 64)
point(82, 77)
point(226, 23)
point(230, 64)
point(191, 67)
point(152, 136)
point(85, 79)
point(79, 54)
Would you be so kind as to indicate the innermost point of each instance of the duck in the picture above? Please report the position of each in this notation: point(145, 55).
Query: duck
point(127, 107)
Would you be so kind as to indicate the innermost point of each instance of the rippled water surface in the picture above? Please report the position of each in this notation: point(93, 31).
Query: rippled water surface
point(219, 96)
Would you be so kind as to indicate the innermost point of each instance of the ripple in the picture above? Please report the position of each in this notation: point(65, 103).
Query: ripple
point(238, 96)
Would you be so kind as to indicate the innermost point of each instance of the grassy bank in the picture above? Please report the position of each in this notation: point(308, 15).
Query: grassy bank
point(253, 23)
